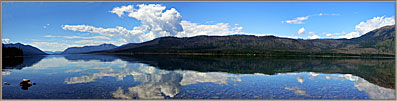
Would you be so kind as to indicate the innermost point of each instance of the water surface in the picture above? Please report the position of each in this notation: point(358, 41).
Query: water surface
point(199, 77)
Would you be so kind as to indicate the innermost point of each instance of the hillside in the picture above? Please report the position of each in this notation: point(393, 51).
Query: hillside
point(26, 49)
point(85, 49)
point(376, 42)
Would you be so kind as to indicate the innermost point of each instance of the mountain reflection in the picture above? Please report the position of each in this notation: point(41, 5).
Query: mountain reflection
point(27, 61)
point(378, 71)
point(164, 78)
point(203, 77)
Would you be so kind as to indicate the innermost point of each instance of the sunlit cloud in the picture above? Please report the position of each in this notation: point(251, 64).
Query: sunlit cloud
point(301, 31)
point(369, 25)
point(156, 22)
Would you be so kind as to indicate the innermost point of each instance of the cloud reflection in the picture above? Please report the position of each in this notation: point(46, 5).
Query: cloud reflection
point(157, 83)
point(154, 82)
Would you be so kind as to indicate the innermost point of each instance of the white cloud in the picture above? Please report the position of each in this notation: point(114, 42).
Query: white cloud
point(5, 41)
point(328, 35)
point(79, 37)
point(333, 34)
point(50, 46)
point(374, 23)
point(314, 37)
point(120, 10)
point(311, 33)
point(156, 21)
point(369, 25)
point(194, 29)
point(350, 35)
point(298, 20)
point(301, 31)
point(85, 28)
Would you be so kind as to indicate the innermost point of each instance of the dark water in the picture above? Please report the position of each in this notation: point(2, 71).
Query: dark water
point(199, 77)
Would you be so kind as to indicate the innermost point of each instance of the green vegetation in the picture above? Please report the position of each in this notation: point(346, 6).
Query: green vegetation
point(377, 43)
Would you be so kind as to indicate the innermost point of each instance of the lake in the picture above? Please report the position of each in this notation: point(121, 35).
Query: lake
point(199, 77)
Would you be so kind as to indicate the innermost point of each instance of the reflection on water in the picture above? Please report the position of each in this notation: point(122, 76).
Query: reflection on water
point(182, 77)
point(26, 61)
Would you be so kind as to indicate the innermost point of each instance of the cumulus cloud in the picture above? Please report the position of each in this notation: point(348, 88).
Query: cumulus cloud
point(78, 37)
point(298, 20)
point(156, 21)
point(369, 25)
point(374, 23)
point(5, 41)
point(314, 37)
point(85, 28)
point(194, 29)
point(120, 10)
point(364, 27)
point(301, 31)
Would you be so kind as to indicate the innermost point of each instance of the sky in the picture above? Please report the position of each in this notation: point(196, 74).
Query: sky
point(55, 26)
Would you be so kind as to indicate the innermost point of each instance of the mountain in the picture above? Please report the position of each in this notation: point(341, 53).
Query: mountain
point(377, 42)
point(85, 49)
point(26, 49)
point(53, 52)
point(381, 39)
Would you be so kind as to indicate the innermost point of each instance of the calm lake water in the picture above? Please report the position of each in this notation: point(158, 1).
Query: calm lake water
point(199, 77)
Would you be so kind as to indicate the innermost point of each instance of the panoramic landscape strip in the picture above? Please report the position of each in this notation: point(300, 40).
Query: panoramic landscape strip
point(198, 50)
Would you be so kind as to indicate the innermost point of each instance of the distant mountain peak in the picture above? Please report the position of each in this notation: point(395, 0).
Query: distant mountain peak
point(86, 49)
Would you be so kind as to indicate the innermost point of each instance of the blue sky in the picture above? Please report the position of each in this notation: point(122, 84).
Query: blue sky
point(54, 26)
